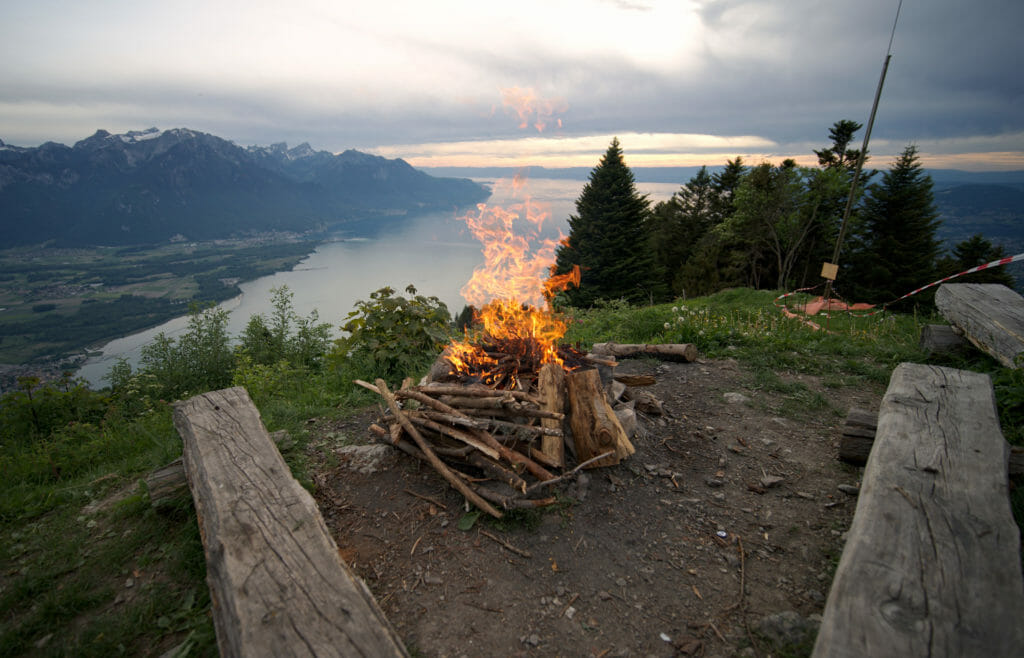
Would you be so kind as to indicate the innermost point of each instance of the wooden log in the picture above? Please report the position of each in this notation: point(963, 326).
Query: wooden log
point(595, 429)
point(931, 566)
point(990, 315)
point(551, 390)
point(277, 584)
point(859, 435)
point(686, 352)
point(940, 338)
point(167, 484)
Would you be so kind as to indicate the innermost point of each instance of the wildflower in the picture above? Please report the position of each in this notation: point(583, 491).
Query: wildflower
point(675, 309)
point(668, 325)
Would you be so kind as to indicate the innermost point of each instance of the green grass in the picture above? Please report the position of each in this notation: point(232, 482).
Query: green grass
point(76, 525)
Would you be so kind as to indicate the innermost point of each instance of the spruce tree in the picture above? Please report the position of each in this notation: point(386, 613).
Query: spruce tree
point(897, 250)
point(610, 238)
point(679, 223)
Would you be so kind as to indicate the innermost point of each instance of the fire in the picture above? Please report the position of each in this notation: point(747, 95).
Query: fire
point(531, 108)
point(512, 290)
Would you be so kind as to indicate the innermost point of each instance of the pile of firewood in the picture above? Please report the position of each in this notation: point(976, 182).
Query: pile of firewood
point(507, 447)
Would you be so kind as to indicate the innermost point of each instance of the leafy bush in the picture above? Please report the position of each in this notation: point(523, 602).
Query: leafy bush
point(394, 337)
point(268, 341)
point(201, 360)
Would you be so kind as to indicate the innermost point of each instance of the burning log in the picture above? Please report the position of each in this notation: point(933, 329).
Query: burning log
point(485, 442)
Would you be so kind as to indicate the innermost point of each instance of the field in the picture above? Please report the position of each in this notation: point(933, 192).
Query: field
point(56, 303)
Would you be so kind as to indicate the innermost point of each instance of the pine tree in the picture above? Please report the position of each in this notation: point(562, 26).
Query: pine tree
point(897, 250)
point(975, 251)
point(610, 238)
point(707, 269)
point(839, 155)
point(679, 223)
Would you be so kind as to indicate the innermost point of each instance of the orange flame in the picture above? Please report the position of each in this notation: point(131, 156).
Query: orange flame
point(531, 108)
point(514, 286)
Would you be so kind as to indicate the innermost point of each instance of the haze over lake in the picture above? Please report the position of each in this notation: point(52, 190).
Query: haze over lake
point(434, 252)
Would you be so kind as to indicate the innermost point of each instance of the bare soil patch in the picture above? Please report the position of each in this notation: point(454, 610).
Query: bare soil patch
point(718, 537)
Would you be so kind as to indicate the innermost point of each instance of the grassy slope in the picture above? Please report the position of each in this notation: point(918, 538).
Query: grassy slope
point(87, 567)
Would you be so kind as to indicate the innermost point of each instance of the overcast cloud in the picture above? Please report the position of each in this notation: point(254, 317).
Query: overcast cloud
point(679, 82)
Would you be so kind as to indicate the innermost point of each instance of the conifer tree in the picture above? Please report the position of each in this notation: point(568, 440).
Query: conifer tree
point(679, 223)
point(610, 238)
point(897, 249)
point(974, 251)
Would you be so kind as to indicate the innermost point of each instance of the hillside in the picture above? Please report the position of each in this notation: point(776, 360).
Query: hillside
point(152, 186)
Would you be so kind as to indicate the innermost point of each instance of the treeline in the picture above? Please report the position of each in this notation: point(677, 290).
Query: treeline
point(765, 226)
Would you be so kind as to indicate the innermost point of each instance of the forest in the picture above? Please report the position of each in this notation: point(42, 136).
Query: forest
point(768, 226)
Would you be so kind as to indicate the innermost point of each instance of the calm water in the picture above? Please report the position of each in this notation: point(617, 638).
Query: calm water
point(434, 252)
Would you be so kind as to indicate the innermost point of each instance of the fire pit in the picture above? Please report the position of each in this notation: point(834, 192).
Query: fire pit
point(495, 415)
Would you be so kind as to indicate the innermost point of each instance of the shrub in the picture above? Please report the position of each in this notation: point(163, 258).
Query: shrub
point(392, 336)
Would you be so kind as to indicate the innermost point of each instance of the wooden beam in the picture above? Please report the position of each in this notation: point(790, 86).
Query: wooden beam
point(940, 338)
point(990, 315)
point(931, 566)
point(859, 435)
point(277, 583)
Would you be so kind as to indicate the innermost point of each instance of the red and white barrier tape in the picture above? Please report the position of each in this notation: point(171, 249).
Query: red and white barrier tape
point(978, 268)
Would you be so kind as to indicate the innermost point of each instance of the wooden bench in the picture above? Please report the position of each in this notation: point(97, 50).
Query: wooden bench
point(931, 565)
point(278, 586)
point(990, 315)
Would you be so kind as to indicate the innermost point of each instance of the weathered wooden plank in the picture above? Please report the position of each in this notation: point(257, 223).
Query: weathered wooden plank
point(990, 315)
point(278, 586)
point(931, 566)
point(940, 338)
point(859, 435)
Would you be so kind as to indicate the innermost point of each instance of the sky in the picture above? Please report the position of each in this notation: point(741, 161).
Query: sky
point(482, 83)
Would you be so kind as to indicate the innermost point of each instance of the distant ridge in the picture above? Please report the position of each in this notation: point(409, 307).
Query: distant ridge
point(150, 186)
point(941, 177)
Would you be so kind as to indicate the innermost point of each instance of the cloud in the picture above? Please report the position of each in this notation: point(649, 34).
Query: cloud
point(390, 74)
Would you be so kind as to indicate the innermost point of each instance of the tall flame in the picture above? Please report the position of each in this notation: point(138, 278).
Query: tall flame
point(532, 108)
point(514, 286)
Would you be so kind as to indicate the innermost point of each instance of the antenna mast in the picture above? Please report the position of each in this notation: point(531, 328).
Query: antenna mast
point(830, 270)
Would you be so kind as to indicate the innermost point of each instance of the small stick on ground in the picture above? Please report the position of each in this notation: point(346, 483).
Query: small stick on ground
point(426, 498)
point(506, 545)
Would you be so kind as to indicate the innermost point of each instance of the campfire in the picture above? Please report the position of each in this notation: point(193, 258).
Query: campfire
point(502, 407)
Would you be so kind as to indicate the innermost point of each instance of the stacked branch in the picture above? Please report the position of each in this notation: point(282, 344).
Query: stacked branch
point(482, 441)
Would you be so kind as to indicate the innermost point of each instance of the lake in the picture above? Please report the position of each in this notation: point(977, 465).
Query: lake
point(434, 252)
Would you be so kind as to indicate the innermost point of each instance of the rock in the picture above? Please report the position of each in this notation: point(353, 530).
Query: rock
point(713, 482)
point(736, 398)
point(849, 489)
point(366, 459)
point(769, 481)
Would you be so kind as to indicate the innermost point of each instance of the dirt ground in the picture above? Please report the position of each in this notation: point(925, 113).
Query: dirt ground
point(719, 537)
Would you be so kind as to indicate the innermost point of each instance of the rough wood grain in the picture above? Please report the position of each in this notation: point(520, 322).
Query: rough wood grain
point(686, 352)
point(551, 390)
point(940, 338)
point(859, 436)
point(595, 428)
point(278, 585)
point(990, 315)
point(932, 563)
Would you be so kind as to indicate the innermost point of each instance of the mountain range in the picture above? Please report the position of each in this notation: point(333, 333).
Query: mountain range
point(150, 186)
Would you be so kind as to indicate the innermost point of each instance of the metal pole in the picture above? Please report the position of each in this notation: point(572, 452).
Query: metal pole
point(860, 160)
